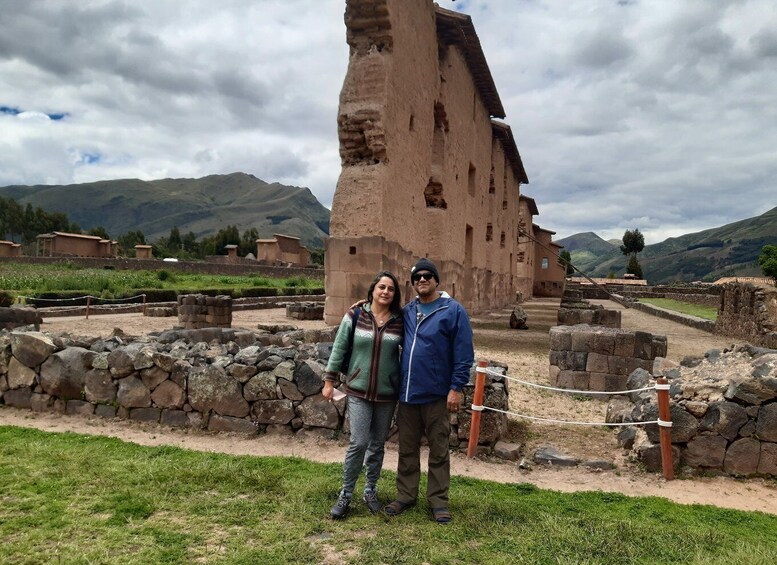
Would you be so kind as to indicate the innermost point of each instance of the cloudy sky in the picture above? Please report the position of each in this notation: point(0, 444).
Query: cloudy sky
point(652, 114)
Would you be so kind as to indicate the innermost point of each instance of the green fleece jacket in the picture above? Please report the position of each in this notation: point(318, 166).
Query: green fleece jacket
point(374, 371)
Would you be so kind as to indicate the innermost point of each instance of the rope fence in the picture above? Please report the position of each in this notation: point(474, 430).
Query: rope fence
point(89, 298)
point(664, 420)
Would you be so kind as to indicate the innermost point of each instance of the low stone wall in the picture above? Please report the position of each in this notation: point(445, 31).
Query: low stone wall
point(575, 309)
point(213, 378)
point(305, 311)
point(706, 295)
point(199, 311)
point(723, 410)
point(601, 359)
point(11, 318)
point(680, 318)
point(748, 312)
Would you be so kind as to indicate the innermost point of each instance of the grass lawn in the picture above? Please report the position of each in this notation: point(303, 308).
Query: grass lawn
point(31, 280)
point(706, 312)
point(80, 499)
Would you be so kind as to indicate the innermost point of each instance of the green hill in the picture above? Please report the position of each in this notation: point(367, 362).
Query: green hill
point(202, 206)
point(730, 250)
point(586, 249)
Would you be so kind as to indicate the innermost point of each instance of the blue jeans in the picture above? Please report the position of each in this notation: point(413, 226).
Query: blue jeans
point(370, 425)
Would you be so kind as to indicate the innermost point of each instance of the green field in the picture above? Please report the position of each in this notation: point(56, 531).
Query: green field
point(70, 498)
point(706, 312)
point(35, 280)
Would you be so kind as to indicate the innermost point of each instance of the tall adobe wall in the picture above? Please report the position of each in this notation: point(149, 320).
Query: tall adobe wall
point(426, 172)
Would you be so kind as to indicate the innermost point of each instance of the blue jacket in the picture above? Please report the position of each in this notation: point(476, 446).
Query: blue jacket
point(437, 353)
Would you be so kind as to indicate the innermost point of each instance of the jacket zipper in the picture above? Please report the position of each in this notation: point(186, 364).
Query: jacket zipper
point(372, 384)
point(412, 347)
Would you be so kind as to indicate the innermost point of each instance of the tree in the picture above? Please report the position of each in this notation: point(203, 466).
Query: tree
point(633, 243)
point(99, 231)
point(634, 267)
point(768, 261)
point(248, 242)
point(174, 242)
point(565, 259)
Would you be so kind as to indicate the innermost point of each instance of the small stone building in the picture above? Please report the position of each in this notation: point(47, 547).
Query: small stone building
point(143, 251)
point(10, 249)
point(427, 170)
point(62, 244)
point(283, 249)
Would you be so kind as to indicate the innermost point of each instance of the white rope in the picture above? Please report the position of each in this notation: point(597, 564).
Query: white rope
point(553, 421)
point(569, 390)
point(118, 299)
point(81, 298)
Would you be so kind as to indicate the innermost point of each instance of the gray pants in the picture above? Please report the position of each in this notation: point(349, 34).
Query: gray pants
point(370, 425)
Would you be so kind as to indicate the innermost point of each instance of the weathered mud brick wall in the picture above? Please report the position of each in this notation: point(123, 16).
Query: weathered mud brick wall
point(419, 148)
point(199, 311)
point(586, 357)
point(748, 312)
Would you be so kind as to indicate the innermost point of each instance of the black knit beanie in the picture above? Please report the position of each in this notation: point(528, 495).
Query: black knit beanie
point(425, 264)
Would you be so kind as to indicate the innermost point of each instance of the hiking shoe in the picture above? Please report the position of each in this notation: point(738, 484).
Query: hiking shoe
point(340, 509)
point(370, 498)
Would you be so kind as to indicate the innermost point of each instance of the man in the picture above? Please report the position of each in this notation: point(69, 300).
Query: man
point(436, 359)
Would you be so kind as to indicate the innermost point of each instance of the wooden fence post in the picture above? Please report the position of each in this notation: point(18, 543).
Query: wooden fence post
point(477, 408)
point(665, 428)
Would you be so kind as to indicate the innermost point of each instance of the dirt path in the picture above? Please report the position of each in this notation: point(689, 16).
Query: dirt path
point(525, 353)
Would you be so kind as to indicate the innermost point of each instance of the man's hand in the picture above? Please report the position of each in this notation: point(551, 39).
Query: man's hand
point(357, 304)
point(454, 400)
point(328, 391)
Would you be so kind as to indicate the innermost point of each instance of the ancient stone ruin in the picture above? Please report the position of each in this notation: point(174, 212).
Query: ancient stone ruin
point(199, 311)
point(748, 312)
point(16, 317)
point(215, 379)
point(723, 411)
point(601, 359)
point(575, 309)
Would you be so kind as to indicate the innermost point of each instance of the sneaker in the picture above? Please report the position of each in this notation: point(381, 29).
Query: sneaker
point(370, 498)
point(340, 509)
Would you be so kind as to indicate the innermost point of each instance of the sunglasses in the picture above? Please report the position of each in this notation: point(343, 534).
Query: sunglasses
point(425, 276)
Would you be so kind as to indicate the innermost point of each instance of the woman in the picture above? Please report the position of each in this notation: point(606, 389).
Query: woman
point(372, 383)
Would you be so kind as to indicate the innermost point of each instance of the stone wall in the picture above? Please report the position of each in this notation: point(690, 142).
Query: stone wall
point(197, 311)
point(305, 311)
point(243, 268)
point(16, 317)
point(214, 378)
point(748, 312)
point(723, 410)
point(702, 295)
point(574, 309)
point(601, 359)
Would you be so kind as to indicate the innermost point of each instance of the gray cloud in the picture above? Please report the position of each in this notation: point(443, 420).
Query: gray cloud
point(627, 113)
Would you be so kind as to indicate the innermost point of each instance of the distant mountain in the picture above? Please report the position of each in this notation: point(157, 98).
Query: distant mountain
point(730, 250)
point(202, 206)
point(586, 249)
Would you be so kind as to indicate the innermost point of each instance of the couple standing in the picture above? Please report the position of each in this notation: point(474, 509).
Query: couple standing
point(435, 337)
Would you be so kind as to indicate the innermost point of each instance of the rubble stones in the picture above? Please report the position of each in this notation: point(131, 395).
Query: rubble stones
point(724, 417)
point(210, 388)
point(31, 348)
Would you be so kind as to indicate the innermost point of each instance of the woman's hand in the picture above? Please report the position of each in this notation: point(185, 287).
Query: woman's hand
point(328, 391)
